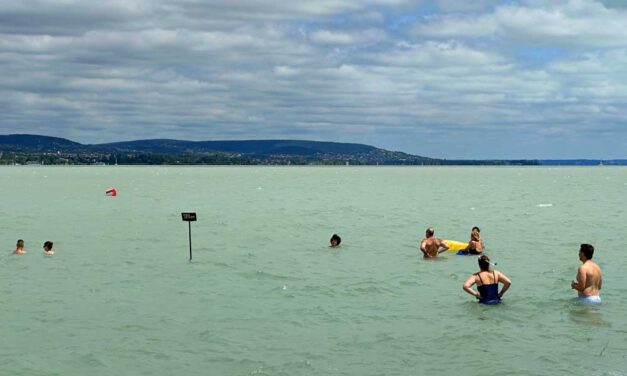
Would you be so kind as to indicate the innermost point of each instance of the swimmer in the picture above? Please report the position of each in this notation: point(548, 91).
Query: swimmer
point(48, 250)
point(589, 280)
point(19, 248)
point(335, 241)
point(475, 245)
point(432, 246)
point(487, 283)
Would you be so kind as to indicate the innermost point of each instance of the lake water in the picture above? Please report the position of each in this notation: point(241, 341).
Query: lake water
point(264, 295)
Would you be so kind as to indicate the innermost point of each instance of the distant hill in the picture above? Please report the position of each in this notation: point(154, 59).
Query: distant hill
point(230, 152)
point(24, 148)
point(35, 143)
point(256, 147)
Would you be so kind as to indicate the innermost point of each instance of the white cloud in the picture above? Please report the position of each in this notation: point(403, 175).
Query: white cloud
point(286, 71)
point(330, 37)
point(347, 38)
point(436, 55)
point(573, 23)
point(334, 69)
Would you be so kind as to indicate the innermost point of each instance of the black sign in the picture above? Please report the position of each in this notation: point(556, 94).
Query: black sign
point(189, 217)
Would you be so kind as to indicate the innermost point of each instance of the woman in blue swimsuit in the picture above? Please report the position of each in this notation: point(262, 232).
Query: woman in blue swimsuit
point(475, 245)
point(487, 282)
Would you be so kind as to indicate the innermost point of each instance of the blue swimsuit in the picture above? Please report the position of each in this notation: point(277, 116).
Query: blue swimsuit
point(489, 294)
point(466, 252)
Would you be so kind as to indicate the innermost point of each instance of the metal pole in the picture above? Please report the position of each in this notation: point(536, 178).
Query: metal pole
point(190, 240)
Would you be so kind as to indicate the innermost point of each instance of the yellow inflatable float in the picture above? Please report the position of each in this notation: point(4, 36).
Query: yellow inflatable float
point(455, 245)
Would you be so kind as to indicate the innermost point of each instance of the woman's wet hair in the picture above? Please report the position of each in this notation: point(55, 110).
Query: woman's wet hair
point(20, 243)
point(484, 262)
point(48, 245)
point(337, 238)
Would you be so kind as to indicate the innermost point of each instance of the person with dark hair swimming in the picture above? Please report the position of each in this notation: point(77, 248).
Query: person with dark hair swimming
point(48, 248)
point(432, 246)
point(589, 279)
point(335, 241)
point(19, 248)
point(487, 282)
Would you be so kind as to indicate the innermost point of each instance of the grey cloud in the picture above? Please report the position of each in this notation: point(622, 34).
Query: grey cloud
point(465, 6)
point(64, 18)
point(76, 17)
point(614, 3)
point(217, 70)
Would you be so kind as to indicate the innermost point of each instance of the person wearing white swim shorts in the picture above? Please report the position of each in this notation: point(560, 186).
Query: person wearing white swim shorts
point(589, 279)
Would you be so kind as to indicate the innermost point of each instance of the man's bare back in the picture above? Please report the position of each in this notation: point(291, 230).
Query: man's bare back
point(431, 245)
point(589, 279)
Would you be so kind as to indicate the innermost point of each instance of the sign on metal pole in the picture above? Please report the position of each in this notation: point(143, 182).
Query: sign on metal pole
point(189, 218)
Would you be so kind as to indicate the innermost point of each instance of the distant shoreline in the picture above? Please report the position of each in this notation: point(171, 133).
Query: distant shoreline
point(311, 165)
point(24, 149)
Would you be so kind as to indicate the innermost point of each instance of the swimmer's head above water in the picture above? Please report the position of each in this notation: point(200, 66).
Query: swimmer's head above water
point(335, 240)
point(48, 246)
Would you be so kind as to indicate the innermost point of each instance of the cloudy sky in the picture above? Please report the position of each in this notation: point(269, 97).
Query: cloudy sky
point(439, 78)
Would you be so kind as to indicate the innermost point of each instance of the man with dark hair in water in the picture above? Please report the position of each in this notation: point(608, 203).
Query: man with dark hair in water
point(48, 248)
point(335, 241)
point(589, 279)
point(19, 248)
point(432, 246)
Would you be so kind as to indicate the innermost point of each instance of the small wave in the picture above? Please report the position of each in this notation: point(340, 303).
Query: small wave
point(262, 275)
point(222, 265)
point(91, 360)
point(318, 290)
point(544, 205)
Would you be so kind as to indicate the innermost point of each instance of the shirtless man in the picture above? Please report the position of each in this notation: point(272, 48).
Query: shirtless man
point(432, 246)
point(589, 280)
point(19, 248)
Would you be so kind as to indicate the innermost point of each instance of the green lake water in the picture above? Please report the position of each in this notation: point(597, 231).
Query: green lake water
point(264, 295)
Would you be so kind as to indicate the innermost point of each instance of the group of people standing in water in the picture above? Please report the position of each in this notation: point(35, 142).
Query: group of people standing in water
point(19, 248)
point(487, 280)
point(588, 282)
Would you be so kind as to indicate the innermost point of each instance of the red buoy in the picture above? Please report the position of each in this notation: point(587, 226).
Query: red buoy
point(111, 192)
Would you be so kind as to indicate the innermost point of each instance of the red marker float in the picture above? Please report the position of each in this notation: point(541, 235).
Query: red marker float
point(111, 192)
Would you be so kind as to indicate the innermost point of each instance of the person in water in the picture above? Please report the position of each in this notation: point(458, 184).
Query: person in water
point(19, 248)
point(589, 279)
point(48, 250)
point(335, 241)
point(487, 282)
point(432, 246)
point(475, 245)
